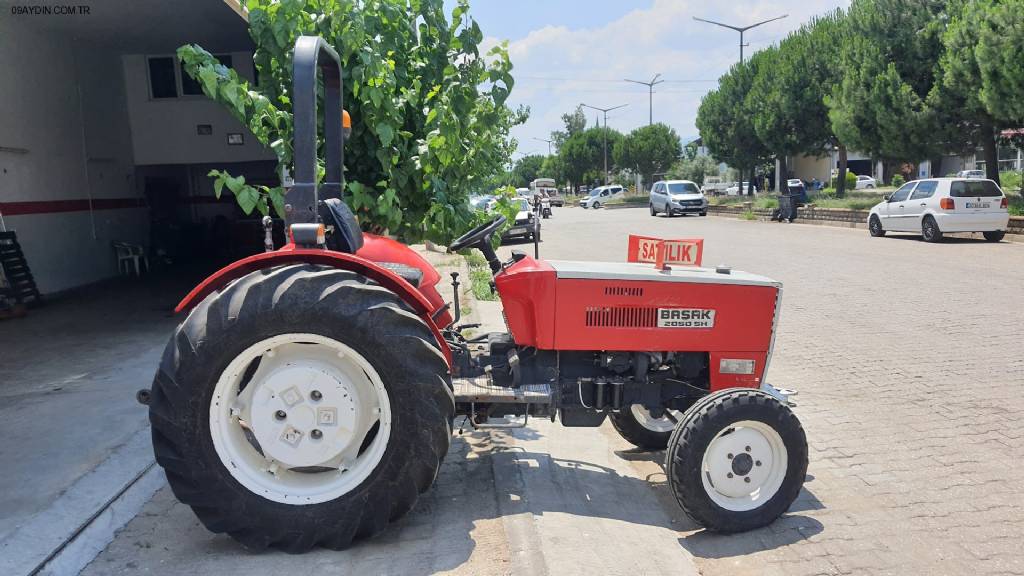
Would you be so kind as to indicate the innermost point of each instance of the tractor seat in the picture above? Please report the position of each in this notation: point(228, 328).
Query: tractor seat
point(410, 274)
point(347, 236)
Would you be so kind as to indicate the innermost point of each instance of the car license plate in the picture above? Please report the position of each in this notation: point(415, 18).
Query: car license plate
point(517, 231)
point(979, 205)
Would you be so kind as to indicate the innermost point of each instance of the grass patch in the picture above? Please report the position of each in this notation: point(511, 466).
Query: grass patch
point(479, 277)
point(1016, 204)
point(749, 215)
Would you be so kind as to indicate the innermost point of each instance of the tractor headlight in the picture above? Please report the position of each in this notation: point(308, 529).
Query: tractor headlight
point(735, 366)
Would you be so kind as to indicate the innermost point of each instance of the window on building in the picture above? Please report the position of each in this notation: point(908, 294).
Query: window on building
point(162, 83)
point(190, 87)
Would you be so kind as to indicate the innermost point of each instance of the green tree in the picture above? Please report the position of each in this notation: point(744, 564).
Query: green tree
point(575, 122)
point(583, 155)
point(430, 123)
point(790, 115)
point(889, 66)
point(526, 170)
point(650, 150)
point(694, 169)
point(726, 123)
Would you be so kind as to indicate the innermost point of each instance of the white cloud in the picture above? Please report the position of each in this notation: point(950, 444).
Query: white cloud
point(557, 67)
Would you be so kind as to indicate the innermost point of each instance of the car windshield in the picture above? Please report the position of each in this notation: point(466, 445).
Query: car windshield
point(595, 191)
point(974, 188)
point(683, 188)
point(524, 205)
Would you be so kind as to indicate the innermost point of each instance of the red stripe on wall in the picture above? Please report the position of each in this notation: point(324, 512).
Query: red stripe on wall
point(77, 205)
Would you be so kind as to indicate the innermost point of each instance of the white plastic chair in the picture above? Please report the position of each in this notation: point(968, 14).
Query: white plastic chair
point(129, 255)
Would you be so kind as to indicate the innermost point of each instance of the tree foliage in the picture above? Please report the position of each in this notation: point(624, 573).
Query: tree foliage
point(575, 122)
point(526, 170)
point(694, 169)
point(430, 123)
point(650, 150)
point(582, 155)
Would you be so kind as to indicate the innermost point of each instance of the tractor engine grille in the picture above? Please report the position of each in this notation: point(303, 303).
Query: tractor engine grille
point(622, 317)
point(623, 291)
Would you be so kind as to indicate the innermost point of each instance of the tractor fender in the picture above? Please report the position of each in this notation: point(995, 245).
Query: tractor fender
point(386, 278)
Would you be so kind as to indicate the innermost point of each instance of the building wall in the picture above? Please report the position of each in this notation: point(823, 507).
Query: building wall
point(66, 146)
point(164, 130)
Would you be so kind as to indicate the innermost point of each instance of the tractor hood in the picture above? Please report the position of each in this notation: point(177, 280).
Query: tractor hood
point(647, 272)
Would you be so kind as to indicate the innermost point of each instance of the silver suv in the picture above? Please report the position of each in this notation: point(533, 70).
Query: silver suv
point(677, 197)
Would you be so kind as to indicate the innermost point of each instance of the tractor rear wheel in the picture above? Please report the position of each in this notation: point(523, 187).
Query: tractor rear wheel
point(737, 460)
point(640, 427)
point(301, 406)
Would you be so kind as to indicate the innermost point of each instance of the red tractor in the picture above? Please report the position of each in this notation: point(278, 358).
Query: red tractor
point(309, 396)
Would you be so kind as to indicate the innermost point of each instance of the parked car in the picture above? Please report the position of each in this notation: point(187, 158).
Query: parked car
point(677, 197)
point(526, 224)
point(973, 174)
point(483, 202)
point(865, 182)
point(935, 206)
point(714, 185)
point(601, 195)
point(740, 188)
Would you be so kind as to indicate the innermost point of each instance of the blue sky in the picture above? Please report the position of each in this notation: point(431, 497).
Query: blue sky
point(570, 51)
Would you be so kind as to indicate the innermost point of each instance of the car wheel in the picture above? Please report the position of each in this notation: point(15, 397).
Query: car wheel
point(930, 230)
point(653, 211)
point(668, 212)
point(704, 213)
point(995, 235)
point(597, 205)
point(870, 186)
point(875, 226)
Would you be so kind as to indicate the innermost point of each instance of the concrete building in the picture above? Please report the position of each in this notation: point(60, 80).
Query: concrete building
point(103, 138)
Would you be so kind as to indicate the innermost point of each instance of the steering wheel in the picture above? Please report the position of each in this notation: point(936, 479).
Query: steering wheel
point(481, 233)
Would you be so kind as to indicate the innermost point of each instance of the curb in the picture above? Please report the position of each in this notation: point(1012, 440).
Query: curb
point(66, 536)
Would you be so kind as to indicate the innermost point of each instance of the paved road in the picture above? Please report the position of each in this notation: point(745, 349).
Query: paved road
point(907, 357)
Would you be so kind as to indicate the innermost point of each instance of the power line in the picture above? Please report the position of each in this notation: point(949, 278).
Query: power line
point(608, 80)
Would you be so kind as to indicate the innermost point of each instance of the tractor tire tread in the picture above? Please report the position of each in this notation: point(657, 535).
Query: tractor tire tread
point(695, 430)
point(335, 303)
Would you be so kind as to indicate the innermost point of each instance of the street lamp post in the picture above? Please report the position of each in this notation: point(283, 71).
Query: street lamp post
point(741, 29)
point(605, 111)
point(548, 141)
point(650, 95)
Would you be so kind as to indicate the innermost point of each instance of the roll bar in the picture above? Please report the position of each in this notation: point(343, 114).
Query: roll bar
point(303, 198)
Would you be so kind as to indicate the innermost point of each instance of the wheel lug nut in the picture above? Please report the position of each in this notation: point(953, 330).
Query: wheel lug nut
point(729, 456)
point(729, 475)
point(316, 395)
point(316, 434)
point(758, 463)
point(748, 448)
point(280, 415)
point(747, 479)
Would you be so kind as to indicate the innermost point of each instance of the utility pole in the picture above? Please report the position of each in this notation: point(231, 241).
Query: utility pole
point(741, 29)
point(650, 95)
point(605, 133)
point(548, 141)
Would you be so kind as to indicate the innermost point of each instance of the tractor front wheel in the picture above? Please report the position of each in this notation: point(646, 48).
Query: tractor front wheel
point(644, 428)
point(737, 460)
point(301, 406)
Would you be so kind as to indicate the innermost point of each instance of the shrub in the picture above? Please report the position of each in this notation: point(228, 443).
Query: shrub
point(851, 180)
point(897, 180)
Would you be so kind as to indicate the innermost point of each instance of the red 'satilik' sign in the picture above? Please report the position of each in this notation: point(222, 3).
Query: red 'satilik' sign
point(660, 252)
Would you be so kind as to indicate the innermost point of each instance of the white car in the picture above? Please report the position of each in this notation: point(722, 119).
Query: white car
point(677, 197)
point(600, 196)
point(865, 182)
point(526, 224)
point(973, 174)
point(935, 206)
point(739, 189)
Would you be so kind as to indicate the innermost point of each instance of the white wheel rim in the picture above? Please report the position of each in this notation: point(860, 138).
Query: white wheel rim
point(663, 424)
point(330, 398)
point(744, 466)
